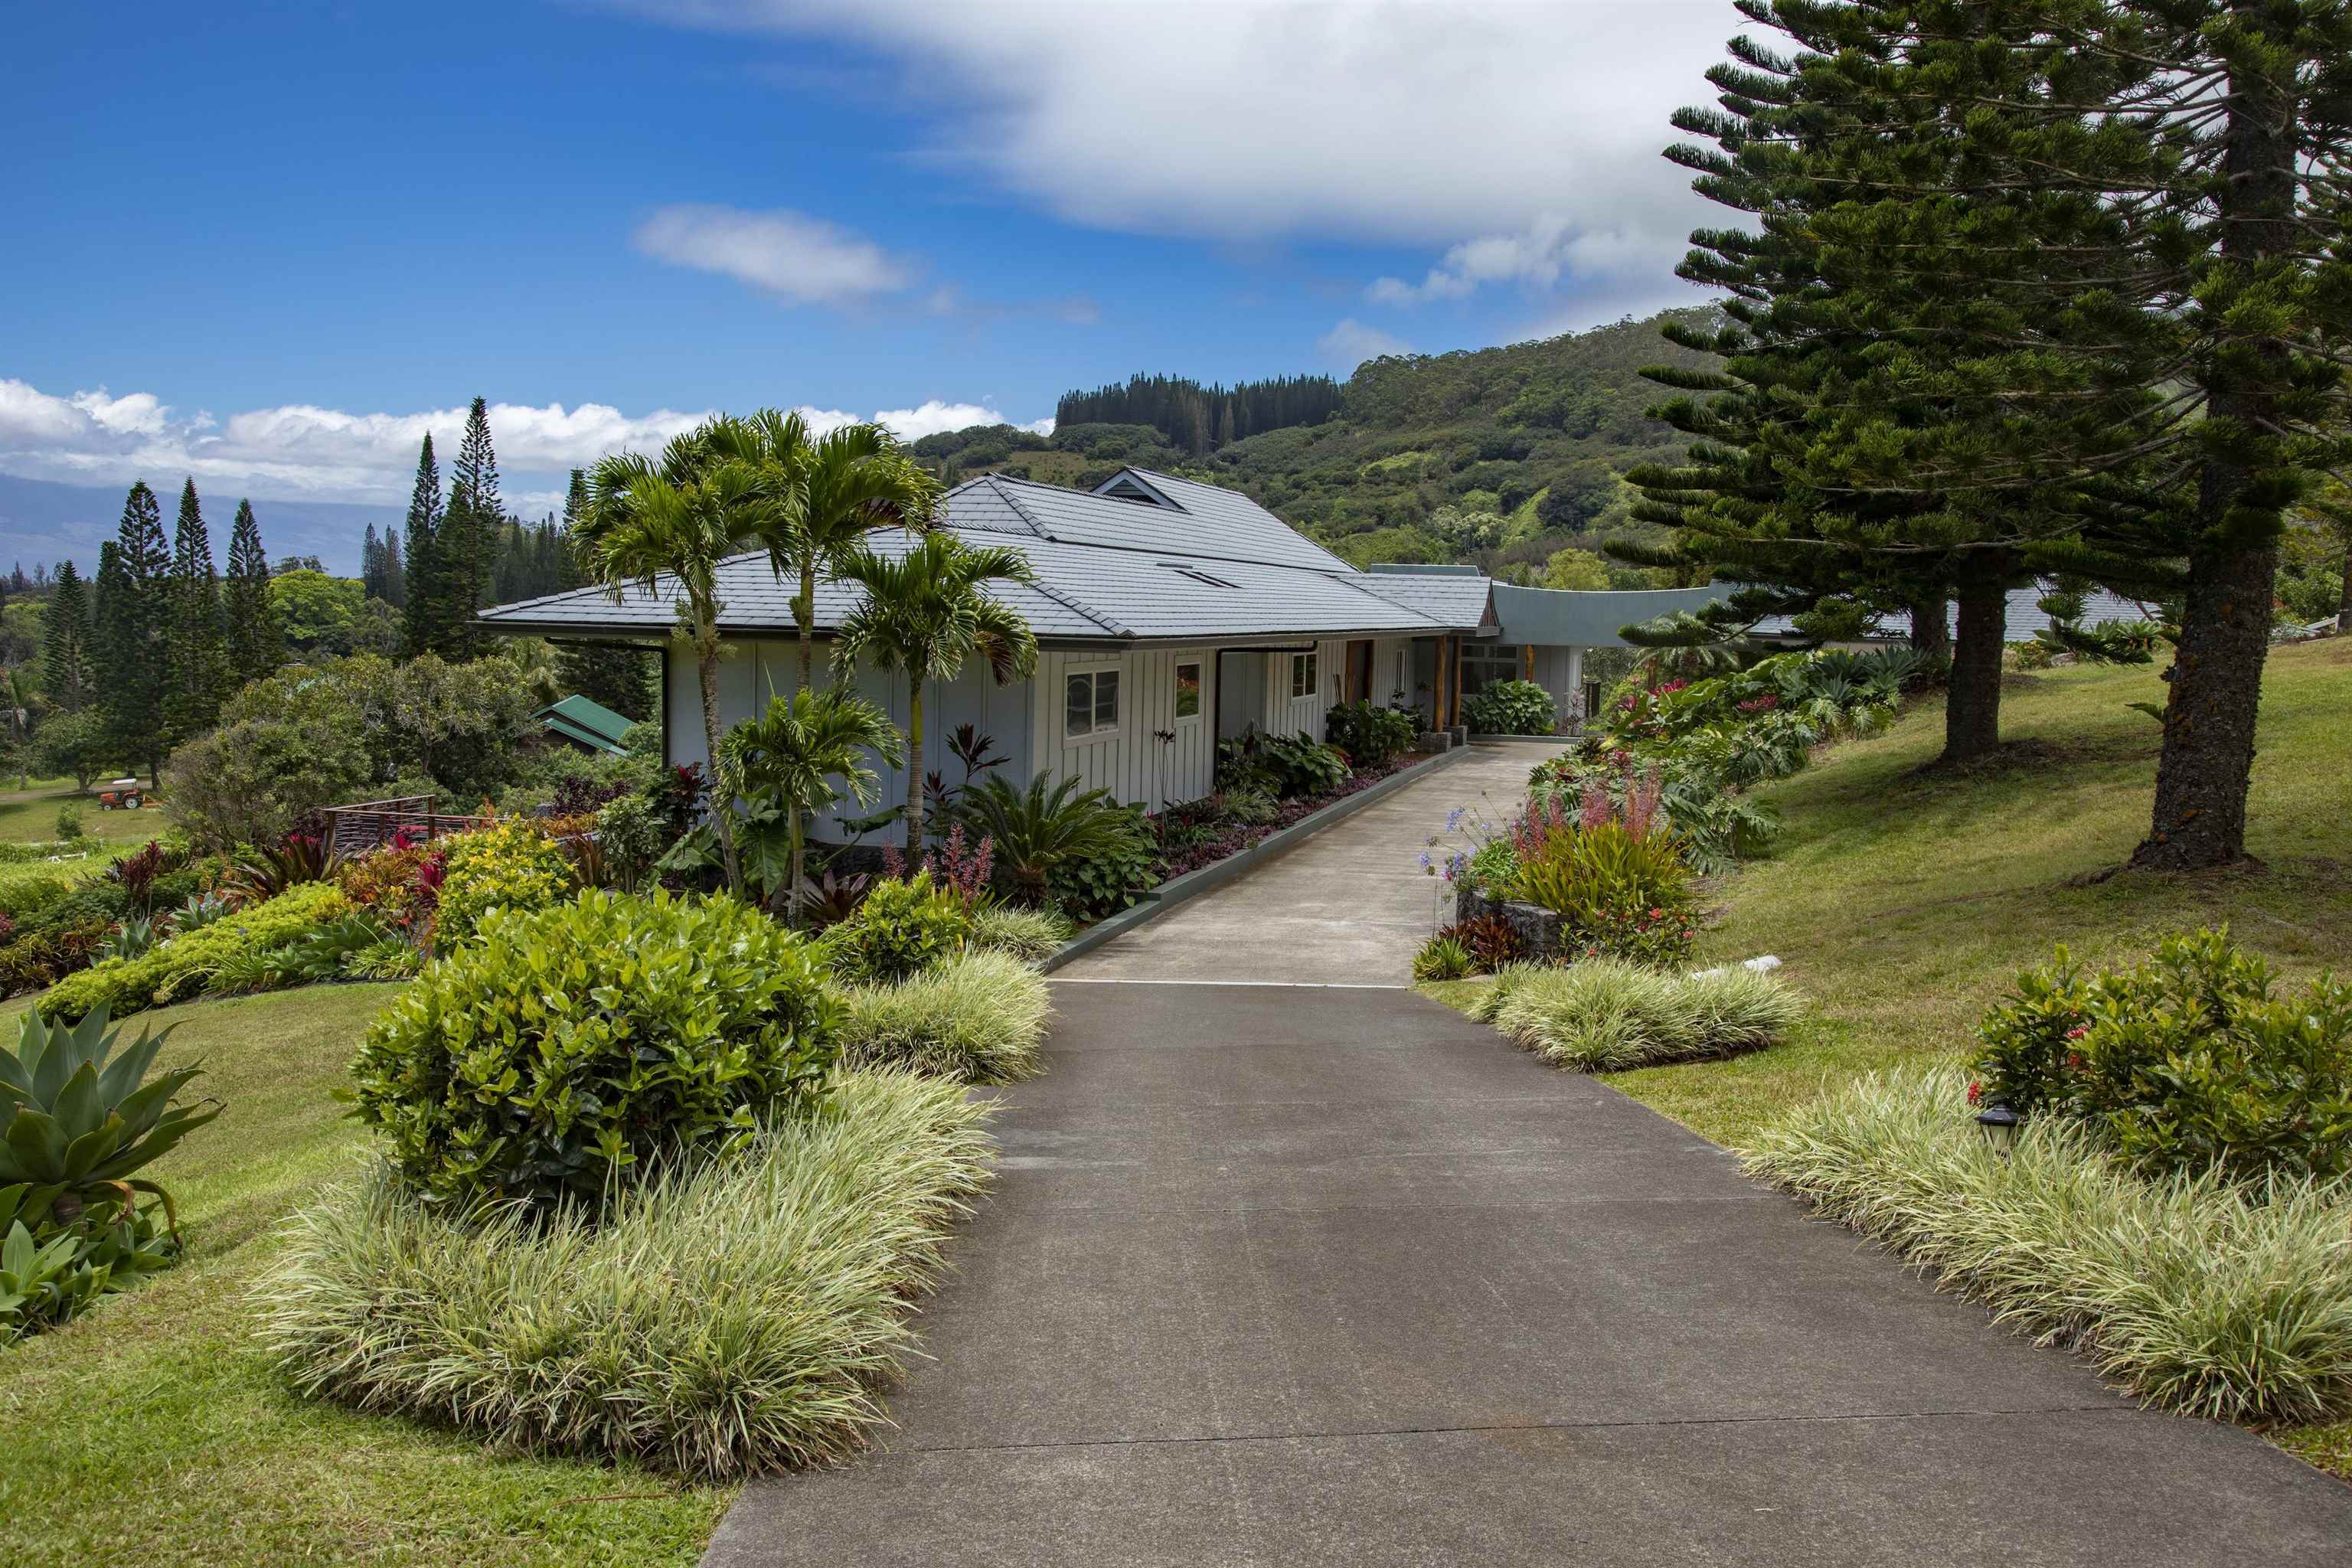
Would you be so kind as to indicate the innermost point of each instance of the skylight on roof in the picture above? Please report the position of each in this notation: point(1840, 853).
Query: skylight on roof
point(1197, 575)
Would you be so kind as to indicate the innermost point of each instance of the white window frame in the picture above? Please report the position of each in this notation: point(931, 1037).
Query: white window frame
point(1200, 664)
point(1095, 731)
point(1304, 676)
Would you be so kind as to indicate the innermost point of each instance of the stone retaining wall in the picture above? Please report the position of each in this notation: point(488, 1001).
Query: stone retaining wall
point(1538, 927)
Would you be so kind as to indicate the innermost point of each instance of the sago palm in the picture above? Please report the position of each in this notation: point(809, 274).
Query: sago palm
point(925, 614)
point(786, 759)
point(678, 517)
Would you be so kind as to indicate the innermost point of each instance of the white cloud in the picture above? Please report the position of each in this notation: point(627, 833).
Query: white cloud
point(802, 259)
point(1351, 344)
point(1551, 247)
point(300, 451)
point(1418, 123)
point(934, 417)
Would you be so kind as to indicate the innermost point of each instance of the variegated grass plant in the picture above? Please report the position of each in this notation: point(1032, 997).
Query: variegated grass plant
point(727, 1318)
point(2232, 1301)
point(980, 1018)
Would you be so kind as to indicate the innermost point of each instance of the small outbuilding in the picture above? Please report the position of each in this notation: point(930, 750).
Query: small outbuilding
point(586, 723)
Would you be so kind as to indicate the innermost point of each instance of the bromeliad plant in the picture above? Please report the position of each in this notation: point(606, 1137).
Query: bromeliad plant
point(80, 1116)
point(1613, 872)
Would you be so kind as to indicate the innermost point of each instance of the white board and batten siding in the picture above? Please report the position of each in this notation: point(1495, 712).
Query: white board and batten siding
point(1146, 750)
point(1284, 712)
point(753, 671)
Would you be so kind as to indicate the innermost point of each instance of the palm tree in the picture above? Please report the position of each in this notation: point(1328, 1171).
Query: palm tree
point(824, 495)
point(924, 612)
point(785, 758)
point(678, 517)
point(828, 494)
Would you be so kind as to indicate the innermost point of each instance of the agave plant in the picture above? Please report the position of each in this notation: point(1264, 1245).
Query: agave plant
point(135, 935)
point(76, 1117)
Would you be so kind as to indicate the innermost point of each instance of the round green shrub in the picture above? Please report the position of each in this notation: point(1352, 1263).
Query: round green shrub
point(510, 864)
point(1510, 707)
point(565, 1047)
point(904, 926)
point(2188, 1063)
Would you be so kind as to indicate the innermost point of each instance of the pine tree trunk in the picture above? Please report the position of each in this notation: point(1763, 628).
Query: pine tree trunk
point(1931, 632)
point(723, 810)
point(2208, 763)
point(2216, 677)
point(1972, 702)
point(914, 770)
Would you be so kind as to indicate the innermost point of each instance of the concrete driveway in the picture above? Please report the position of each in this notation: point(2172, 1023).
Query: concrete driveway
point(1305, 1277)
point(1347, 907)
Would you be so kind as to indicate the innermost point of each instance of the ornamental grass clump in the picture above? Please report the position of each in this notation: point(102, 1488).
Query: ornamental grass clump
point(1031, 936)
point(724, 1318)
point(1604, 1014)
point(2212, 1297)
point(565, 1050)
point(977, 1018)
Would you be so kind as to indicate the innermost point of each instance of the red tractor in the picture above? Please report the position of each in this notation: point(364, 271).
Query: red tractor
point(122, 794)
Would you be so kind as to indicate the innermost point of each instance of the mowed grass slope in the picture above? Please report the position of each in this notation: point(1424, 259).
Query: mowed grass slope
point(1905, 898)
point(151, 1431)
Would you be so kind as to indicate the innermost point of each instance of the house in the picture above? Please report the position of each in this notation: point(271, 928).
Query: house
point(1169, 614)
point(584, 723)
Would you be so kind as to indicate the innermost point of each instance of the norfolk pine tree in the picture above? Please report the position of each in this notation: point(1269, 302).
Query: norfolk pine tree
point(2135, 291)
point(134, 584)
point(68, 669)
point(256, 640)
point(422, 573)
point(196, 652)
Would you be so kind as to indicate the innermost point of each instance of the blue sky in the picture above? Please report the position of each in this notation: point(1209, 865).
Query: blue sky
point(272, 243)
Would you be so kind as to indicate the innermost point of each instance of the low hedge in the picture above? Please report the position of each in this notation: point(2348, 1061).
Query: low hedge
point(2226, 1299)
point(978, 1018)
point(730, 1318)
point(176, 969)
point(1606, 1015)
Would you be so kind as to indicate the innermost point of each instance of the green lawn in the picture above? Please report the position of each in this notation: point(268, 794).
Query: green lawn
point(151, 1431)
point(1905, 899)
point(30, 816)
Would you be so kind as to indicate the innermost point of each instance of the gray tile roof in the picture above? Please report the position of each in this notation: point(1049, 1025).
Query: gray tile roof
point(1108, 570)
point(1459, 603)
point(1203, 520)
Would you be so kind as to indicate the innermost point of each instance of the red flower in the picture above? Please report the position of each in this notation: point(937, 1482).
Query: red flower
point(2078, 1031)
point(1976, 1093)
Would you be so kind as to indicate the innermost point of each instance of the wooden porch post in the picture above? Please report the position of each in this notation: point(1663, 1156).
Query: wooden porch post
point(1527, 660)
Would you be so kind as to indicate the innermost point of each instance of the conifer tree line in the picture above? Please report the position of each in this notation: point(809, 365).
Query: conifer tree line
point(1199, 419)
point(2026, 289)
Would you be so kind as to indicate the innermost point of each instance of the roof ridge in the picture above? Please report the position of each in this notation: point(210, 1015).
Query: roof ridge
point(1062, 597)
point(997, 482)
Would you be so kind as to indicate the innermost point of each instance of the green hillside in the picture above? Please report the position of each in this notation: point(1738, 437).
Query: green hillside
point(1500, 456)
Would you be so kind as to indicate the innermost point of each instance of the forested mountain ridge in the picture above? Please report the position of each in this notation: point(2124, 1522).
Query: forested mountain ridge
point(1501, 456)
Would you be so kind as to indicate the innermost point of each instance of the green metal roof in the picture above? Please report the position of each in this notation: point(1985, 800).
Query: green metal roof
point(587, 721)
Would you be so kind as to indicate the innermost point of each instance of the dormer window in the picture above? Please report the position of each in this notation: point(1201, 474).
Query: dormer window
point(1127, 486)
